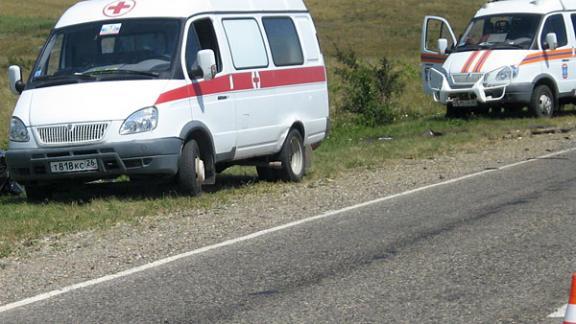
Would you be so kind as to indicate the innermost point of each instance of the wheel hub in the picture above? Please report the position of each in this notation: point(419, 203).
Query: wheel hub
point(297, 158)
point(545, 104)
point(200, 170)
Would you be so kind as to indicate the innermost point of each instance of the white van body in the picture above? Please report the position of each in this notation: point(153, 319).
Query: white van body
point(234, 76)
point(513, 54)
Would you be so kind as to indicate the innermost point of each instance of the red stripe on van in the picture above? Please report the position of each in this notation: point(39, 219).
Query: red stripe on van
point(433, 58)
point(244, 81)
point(218, 85)
point(279, 78)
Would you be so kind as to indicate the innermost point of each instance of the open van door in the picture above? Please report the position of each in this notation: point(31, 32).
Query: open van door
point(437, 38)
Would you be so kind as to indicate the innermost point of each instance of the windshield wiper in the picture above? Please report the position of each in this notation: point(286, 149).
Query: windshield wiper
point(507, 46)
point(50, 80)
point(63, 77)
point(119, 71)
point(470, 47)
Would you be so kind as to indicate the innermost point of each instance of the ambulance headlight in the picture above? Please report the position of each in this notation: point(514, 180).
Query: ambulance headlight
point(144, 120)
point(500, 77)
point(18, 131)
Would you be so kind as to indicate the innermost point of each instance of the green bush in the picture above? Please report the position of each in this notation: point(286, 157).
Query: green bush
point(367, 90)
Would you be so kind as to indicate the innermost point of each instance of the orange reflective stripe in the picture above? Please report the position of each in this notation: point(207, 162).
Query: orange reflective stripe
point(469, 62)
point(481, 62)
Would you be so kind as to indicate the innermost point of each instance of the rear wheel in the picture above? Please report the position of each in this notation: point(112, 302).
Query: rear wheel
point(542, 103)
point(292, 157)
point(191, 171)
point(293, 160)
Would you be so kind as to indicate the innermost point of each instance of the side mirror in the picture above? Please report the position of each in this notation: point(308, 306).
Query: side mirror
point(442, 45)
point(207, 63)
point(15, 79)
point(552, 41)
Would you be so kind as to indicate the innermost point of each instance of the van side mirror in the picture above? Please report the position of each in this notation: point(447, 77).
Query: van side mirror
point(442, 45)
point(207, 63)
point(15, 79)
point(552, 41)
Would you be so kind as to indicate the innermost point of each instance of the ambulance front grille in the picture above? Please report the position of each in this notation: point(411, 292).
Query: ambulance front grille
point(466, 78)
point(72, 133)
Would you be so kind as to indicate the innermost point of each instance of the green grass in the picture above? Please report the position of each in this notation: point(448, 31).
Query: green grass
point(371, 28)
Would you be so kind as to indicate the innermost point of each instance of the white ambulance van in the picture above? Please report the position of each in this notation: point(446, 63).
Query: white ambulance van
point(513, 54)
point(179, 89)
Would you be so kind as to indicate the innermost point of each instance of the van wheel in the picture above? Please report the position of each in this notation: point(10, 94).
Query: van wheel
point(38, 194)
point(293, 157)
point(542, 103)
point(191, 169)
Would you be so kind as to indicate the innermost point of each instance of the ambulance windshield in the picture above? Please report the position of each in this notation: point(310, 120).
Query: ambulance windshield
point(513, 31)
point(121, 50)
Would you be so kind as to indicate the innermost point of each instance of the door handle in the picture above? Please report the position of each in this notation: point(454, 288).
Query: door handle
point(222, 97)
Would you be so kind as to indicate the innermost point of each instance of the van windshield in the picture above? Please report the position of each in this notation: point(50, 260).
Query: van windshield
point(515, 31)
point(121, 50)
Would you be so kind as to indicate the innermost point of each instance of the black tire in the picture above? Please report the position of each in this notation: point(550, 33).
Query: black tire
point(188, 181)
point(293, 157)
point(38, 194)
point(542, 103)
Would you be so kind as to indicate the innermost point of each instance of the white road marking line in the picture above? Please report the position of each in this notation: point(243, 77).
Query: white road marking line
point(328, 214)
point(559, 313)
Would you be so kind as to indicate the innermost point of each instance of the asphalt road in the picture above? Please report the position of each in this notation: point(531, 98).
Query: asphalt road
point(496, 248)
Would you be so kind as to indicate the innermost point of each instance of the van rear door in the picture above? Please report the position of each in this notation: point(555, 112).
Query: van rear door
point(434, 28)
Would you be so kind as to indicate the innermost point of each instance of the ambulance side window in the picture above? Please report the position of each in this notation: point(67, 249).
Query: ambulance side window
point(201, 36)
point(554, 24)
point(284, 42)
point(246, 43)
point(192, 48)
point(573, 16)
point(207, 39)
point(435, 30)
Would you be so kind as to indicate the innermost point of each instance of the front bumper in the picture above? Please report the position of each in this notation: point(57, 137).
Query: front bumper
point(150, 157)
point(447, 93)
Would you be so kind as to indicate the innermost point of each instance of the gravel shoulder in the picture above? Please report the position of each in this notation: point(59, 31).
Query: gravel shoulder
point(56, 262)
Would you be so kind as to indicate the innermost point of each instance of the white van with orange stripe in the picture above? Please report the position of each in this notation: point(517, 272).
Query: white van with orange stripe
point(513, 54)
point(178, 89)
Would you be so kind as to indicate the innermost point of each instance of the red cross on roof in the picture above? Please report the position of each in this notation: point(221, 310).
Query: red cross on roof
point(119, 8)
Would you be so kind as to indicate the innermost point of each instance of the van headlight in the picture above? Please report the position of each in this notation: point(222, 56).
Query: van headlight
point(144, 120)
point(500, 77)
point(18, 131)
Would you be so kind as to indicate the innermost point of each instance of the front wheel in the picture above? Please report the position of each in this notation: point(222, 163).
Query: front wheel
point(542, 103)
point(191, 169)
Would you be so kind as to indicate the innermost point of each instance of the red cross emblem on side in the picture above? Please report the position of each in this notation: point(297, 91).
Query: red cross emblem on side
point(119, 8)
point(256, 81)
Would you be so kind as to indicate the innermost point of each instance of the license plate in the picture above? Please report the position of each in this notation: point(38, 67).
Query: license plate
point(74, 166)
point(464, 103)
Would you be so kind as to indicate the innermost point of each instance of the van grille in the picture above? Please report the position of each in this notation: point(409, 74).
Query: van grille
point(72, 133)
point(466, 78)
